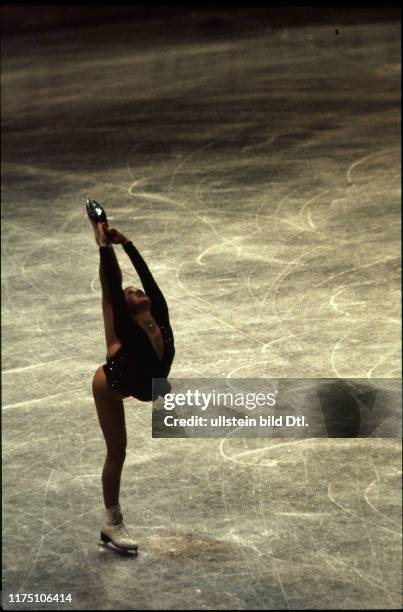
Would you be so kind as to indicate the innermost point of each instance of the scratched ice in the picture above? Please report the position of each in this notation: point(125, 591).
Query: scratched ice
point(259, 174)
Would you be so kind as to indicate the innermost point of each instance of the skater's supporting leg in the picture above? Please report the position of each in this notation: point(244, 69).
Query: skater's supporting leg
point(109, 405)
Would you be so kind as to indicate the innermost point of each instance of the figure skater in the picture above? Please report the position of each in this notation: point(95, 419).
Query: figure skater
point(140, 347)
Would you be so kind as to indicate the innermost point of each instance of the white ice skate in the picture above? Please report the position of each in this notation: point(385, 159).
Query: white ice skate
point(114, 531)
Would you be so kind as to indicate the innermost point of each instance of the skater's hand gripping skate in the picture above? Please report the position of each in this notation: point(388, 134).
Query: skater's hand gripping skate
point(102, 234)
point(116, 236)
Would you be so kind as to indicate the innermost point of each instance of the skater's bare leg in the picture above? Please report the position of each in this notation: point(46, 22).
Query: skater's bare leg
point(111, 417)
point(109, 405)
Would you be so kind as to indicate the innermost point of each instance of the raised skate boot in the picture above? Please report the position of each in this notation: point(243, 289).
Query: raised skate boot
point(95, 212)
point(114, 531)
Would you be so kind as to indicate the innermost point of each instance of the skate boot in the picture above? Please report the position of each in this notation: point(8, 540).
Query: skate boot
point(95, 212)
point(113, 530)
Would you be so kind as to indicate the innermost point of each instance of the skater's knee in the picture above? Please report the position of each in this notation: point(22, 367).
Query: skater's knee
point(116, 454)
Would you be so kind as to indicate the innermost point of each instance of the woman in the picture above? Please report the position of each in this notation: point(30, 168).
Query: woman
point(140, 347)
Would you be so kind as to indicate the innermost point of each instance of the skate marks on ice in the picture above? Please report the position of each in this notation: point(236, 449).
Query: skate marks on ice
point(299, 225)
point(244, 231)
point(190, 545)
point(359, 502)
point(307, 216)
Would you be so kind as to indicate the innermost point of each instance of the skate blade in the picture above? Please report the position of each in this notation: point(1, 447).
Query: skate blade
point(106, 542)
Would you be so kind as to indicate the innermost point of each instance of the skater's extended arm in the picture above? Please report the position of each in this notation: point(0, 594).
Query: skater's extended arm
point(159, 306)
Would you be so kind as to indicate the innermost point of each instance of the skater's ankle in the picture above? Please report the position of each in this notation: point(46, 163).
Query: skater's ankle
point(113, 515)
point(113, 507)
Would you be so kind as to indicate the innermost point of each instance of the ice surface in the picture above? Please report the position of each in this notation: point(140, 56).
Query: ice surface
point(259, 175)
